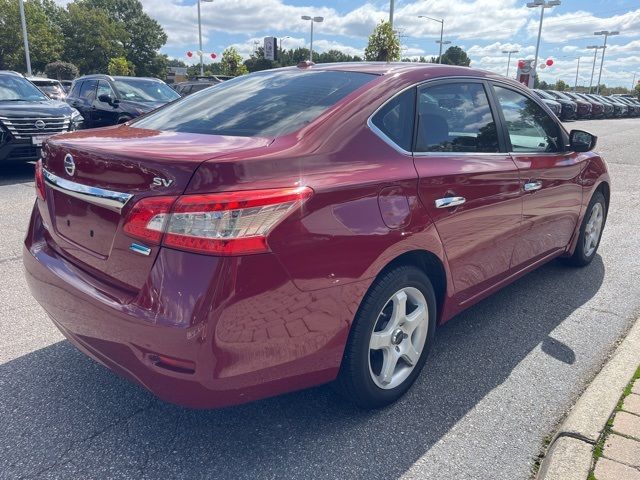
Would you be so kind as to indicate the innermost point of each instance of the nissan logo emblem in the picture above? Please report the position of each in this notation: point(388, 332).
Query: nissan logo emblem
point(40, 125)
point(69, 165)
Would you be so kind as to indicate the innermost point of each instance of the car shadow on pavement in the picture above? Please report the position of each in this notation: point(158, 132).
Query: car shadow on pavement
point(64, 416)
point(16, 172)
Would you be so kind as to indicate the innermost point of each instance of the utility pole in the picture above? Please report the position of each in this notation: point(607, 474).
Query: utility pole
point(509, 58)
point(542, 4)
point(606, 34)
point(391, 7)
point(25, 37)
point(595, 48)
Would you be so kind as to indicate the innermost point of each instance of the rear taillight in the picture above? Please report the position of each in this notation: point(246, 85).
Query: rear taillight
point(148, 217)
point(231, 223)
point(39, 177)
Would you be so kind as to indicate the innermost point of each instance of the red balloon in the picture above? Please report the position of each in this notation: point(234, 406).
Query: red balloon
point(189, 54)
point(549, 62)
point(520, 63)
point(213, 55)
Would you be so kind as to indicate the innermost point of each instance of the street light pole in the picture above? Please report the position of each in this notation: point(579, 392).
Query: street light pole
point(391, 8)
point(281, 39)
point(595, 49)
point(575, 87)
point(542, 4)
point(441, 42)
point(23, 20)
point(312, 20)
point(509, 58)
point(200, 53)
point(606, 34)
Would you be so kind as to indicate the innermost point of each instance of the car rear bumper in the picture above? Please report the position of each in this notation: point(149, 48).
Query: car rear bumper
point(236, 339)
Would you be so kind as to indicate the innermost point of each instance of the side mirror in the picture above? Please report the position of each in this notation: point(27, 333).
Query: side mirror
point(581, 141)
point(106, 98)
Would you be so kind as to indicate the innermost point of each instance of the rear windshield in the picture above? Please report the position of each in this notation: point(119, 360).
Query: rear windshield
point(263, 104)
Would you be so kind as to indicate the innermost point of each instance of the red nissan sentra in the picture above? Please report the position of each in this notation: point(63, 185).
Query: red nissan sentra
point(304, 225)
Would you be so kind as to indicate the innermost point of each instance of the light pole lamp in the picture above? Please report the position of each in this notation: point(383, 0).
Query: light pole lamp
point(509, 52)
point(441, 42)
point(595, 49)
point(312, 20)
point(281, 39)
point(25, 37)
point(200, 53)
point(542, 4)
point(606, 34)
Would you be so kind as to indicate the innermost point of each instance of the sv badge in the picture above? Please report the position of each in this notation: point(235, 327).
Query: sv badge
point(161, 182)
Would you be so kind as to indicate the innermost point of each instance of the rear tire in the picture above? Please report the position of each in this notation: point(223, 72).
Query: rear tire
point(590, 232)
point(390, 338)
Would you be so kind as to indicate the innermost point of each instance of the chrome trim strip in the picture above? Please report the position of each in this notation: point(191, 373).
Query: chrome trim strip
point(95, 195)
point(386, 139)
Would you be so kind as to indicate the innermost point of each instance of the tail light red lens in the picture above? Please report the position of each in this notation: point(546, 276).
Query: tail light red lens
point(39, 178)
point(148, 218)
point(231, 223)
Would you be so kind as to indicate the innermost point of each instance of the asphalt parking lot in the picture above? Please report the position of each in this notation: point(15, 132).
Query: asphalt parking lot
point(500, 378)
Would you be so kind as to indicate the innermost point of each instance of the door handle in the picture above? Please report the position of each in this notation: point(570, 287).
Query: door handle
point(447, 202)
point(532, 186)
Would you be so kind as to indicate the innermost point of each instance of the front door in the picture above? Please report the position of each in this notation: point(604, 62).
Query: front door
point(551, 187)
point(468, 183)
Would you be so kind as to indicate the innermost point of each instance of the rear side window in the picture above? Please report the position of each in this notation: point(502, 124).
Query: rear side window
point(75, 89)
point(396, 118)
point(88, 91)
point(263, 104)
point(455, 117)
point(530, 128)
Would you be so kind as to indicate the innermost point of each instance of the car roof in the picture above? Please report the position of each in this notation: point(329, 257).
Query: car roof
point(103, 76)
point(384, 68)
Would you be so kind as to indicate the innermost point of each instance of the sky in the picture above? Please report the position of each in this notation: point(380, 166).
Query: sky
point(483, 28)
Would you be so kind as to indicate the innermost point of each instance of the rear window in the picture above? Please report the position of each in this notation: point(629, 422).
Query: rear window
point(262, 104)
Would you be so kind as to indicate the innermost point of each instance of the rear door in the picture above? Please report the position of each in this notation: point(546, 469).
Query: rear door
point(84, 101)
point(551, 175)
point(468, 182)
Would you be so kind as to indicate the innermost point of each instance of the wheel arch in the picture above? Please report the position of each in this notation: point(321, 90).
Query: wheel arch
point(431, 264)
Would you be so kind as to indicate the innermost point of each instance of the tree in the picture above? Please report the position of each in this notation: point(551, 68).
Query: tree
point(141, 36)
point(561, 86)
point(45, 38)
point(455, 56)
point(232, 63)
point(120, 66)
point(61, 70)
point(384, 44)
point(91, 38)
point(637, 90)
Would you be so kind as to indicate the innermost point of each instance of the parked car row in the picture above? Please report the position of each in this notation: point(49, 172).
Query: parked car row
point(574, 105)
point(200, 83)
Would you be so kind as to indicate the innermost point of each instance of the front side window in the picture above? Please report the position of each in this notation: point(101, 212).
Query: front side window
point(14, 88)
point(145, 91)
point(260, 104)
point(530, 128)
point(75, 89)
point(105, 89)
point(395, 119)
point(455, 117)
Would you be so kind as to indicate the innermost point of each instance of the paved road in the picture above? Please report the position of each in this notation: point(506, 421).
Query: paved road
point(500, 378)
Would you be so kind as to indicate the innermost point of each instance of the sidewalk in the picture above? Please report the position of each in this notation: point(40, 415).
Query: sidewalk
point(617, 453)
point(600, 438)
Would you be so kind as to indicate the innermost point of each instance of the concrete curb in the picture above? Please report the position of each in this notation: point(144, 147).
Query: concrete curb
point(569, 455)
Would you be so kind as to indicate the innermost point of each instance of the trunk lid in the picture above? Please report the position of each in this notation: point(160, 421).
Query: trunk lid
point(133, 163)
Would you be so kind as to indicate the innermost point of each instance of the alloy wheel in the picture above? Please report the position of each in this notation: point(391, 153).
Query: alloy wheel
point(398, 338)
point(593, 229)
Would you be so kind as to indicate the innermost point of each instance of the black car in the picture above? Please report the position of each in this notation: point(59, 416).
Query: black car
point(105, 100)
point(200, 83)
point(609, 111)
point(634, 106)
point(554, 105)
point(569, 107)
point(27, 116)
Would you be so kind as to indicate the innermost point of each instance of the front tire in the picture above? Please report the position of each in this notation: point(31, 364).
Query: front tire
point(590, 232)
point(390, 338)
